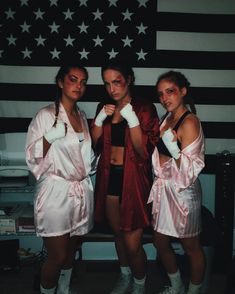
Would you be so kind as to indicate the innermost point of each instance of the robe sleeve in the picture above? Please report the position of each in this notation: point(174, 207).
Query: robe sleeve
point(42, 122)
point(149, 124)
point(98, 146)
point(191, 164)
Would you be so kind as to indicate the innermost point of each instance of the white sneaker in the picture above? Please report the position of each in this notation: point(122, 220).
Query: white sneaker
point(171, 290)
point(122, 285)
point(138, 289)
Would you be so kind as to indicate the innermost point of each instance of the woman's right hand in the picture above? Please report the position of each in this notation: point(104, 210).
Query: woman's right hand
point(56, 132)
point(107, 110)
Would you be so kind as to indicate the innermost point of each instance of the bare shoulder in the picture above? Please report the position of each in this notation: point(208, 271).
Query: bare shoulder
point(191, 123)
point(189, 129)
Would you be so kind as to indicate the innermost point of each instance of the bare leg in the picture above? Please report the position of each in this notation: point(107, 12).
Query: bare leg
point(195, 253)
point(136, 253)
point(113, 215)
point(57, 248)
point(165, 251)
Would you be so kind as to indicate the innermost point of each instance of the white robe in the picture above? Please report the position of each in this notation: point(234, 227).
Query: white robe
point(176, 192)
point(63, 200)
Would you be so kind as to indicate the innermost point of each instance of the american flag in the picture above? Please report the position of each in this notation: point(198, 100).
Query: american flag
point(44, 32)
point(195, 37)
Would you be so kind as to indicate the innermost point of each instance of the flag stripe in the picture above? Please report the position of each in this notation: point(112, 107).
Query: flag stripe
point(196, 59)
point(199, 6)
point(41, 92)
point(27, 109)
point(192, 22)
point(167, 40)
point(16, 124)
point(144, 76)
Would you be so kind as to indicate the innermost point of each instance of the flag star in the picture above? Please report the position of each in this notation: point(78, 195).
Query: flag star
point(127, 14)
point(112, 54)
point(83, 53)
point(24, 2)
point(54, 27)
point(53, 2)
point(25, 27)
point(127, 41)
point(98, 41)
point(112, 28)
point(113, 2)
point(142, 2)
point(141, 54)
point(11, 40)
point(26, 53)
point(68, 14)
point(39, 13)
point(69, 41)
point(83, 2)
point(10, 13)
point(55, 53)
point(83, 28)
point(40, 40)
point(141, 28)
point(97, 14)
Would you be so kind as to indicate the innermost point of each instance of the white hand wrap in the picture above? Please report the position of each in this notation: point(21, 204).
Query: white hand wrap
point(172, 147)
point(100, 118)
point(56, 132)
point(130, 116)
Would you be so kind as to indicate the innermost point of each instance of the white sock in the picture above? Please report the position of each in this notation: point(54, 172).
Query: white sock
point(194, 288)
point(125, 270)
point(47, 291)
point(175, 279)
point(140, 281)
point(64, 281)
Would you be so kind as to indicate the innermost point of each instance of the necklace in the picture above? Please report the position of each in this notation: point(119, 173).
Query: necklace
point(71, 112)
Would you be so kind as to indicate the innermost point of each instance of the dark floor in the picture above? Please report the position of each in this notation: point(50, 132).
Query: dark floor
point(92, 277)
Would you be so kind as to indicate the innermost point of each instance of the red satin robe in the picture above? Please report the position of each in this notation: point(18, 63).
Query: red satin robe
point(138, 178)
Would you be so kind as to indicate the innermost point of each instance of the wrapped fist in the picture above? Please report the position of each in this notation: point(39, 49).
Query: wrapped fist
point(172, 146)
point(56, 132)
point(128, 113)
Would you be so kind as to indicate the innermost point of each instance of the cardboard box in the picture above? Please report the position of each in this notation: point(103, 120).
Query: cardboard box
point(25, 222)
point(8, 218)
point(16, 218)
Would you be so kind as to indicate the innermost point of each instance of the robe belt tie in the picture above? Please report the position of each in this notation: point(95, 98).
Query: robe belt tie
point(156, 193)
point(75, 187)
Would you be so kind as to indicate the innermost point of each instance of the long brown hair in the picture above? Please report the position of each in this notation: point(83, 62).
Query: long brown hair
point(182, 82)
point(63, 71)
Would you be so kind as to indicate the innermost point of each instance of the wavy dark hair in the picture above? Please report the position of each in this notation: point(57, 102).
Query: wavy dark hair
point(63, 71)
point(182, 82)
point(121, 66)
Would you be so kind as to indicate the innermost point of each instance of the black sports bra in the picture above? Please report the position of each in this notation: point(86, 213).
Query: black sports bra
point(118, 133)
point(160, 145)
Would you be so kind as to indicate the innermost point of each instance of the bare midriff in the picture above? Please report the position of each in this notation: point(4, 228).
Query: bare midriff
point(117, 155)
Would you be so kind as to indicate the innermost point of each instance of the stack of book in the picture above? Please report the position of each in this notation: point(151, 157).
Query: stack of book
point(25, 221)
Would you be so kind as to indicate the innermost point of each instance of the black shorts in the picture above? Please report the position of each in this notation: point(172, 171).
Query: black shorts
point(115, 180)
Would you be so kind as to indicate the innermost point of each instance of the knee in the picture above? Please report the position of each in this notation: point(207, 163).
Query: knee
point(192, 250)
point(160, 246)
point(59, 259)
point(134, 249)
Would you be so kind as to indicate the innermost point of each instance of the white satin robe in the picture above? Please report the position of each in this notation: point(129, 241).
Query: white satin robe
point(63, 200)
point(176, 192)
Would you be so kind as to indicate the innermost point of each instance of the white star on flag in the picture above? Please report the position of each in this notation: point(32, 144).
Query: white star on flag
point(11, 40)
point(55, 54)
point(84, 53)
point(40, 40)
point(112, 54)
point(27, 53)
